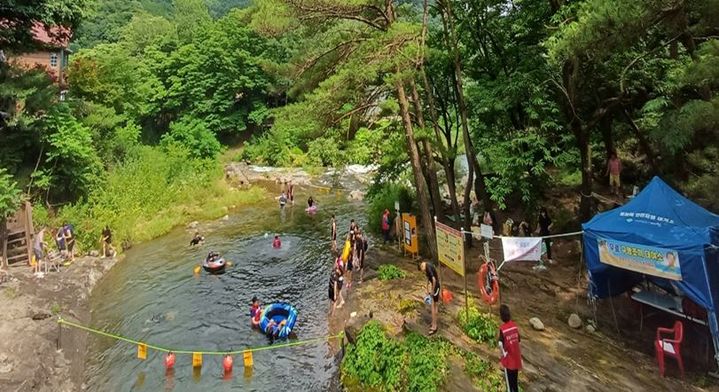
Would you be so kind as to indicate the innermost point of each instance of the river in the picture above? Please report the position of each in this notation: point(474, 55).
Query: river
point(153, 296)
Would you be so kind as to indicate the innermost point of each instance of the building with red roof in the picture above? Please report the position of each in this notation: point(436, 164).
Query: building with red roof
point(51, 51)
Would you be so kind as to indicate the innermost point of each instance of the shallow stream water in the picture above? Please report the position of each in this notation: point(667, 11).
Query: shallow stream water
point(153, 296)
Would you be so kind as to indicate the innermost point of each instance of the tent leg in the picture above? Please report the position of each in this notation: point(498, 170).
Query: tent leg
point(714, 330)
point(614, 313)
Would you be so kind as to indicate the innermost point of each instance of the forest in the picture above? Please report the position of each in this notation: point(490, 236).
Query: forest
point(536, 95)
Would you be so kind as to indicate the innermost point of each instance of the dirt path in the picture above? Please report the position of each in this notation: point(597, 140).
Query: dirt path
point(29, 356)
point(557, 359)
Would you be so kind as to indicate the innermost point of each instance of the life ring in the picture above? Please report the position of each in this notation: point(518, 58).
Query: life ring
point(488, 283)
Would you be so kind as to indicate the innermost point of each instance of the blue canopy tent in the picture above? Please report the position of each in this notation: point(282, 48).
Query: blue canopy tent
point(660, 236)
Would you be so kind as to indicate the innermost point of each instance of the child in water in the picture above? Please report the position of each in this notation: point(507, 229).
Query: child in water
point(255, 311)
point(277, 243)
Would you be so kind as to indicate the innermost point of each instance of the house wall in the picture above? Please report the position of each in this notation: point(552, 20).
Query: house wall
point(42, 58)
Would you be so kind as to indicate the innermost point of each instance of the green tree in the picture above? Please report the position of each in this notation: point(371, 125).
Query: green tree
point(193, 135)
point(19, 19)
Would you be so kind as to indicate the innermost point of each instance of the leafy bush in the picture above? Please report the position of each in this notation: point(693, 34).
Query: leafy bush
point(375, 361)
point(389, 272)
point(378, 362)
point(384, 198)
point(479, 326)
point(9, 194)
point(193, 135)
point(324, 151)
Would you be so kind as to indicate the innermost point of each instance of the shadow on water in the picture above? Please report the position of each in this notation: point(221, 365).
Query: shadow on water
point(153, 296)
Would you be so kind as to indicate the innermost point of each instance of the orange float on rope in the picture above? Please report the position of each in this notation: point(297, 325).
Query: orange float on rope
point(488, 283)
point(169, 360)
point(227, 363)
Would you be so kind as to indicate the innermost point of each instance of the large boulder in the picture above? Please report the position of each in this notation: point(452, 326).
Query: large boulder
point(574, 321)
point(536, 323)
point(356, 195)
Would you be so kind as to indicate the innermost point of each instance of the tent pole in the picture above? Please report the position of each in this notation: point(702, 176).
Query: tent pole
point(714, 331)
point(611, 303)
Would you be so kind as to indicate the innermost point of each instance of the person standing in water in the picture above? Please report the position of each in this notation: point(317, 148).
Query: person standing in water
point(291, 192)
point(334, 234)
point(334, 288)
point(510, 352)
point(340, 280)
point(433, 289)
point(197, 239)
point(310, 202)
point(277, 243)
point(283, 200)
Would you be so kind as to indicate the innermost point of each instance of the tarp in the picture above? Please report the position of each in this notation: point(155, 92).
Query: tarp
point(661, 219)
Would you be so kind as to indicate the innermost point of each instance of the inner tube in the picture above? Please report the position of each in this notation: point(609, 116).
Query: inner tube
point(488, 283)
point(215, 267)
point(312, 209)
point(278, 312)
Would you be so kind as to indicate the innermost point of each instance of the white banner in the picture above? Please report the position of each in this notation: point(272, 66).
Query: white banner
point(522, 248)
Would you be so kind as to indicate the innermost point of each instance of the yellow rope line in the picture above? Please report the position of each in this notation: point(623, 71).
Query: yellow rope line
point(62, 321)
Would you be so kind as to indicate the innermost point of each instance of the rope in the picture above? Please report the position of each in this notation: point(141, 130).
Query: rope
point(545, 236)
point(62, 321)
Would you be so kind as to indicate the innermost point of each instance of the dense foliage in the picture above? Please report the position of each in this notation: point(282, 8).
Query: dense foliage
point(414, 363)
point(381, 363)
point(523, 97)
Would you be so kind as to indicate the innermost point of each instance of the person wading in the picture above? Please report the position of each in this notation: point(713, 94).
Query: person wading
point(334, 234)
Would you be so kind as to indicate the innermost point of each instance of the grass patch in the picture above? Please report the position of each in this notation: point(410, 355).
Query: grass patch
point(152, 192)
point(484, 376)
point(389, 272)
point(479, 326)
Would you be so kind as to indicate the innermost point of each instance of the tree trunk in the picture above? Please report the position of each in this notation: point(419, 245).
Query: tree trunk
point(585, 153)
point(472, 162)
point(415, 161)
point(444, 155)
point(605, 126)
point(432, 181)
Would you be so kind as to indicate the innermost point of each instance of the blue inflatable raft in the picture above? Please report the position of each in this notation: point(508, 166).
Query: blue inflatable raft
point(278, 319)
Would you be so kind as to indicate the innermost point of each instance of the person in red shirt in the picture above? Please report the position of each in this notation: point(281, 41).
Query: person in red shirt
point(614, 170)
point(510, 353)
point(385, 225)
point(277, 243)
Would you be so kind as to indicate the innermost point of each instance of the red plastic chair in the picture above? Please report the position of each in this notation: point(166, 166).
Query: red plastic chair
point(670, 347)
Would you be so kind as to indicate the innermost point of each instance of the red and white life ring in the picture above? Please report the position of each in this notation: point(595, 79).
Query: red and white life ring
point(488, 283)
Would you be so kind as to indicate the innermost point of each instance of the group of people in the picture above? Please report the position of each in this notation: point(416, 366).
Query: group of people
point(65, 243)
point(350, 260)
point(523, 229)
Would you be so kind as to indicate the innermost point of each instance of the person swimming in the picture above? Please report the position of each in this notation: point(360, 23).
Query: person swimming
point(277, 243)
point(273, 328)
point(197, 239)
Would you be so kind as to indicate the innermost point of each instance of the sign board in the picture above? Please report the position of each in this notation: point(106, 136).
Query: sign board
point(522, 248)
point(640, 258)
point(450, 247)
point(487, 231)
point(409, 229)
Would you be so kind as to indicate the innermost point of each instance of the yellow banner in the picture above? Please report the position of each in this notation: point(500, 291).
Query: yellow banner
point(409, 228)
point(142, 351)
point(196, 360)
point(247, 356)
point(450, 247)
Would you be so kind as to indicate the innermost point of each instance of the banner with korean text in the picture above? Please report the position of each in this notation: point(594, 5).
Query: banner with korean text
point(450, 247)
point(522, 248)
point(640, 258)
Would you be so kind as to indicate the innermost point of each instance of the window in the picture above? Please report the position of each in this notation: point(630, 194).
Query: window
point(53, 59)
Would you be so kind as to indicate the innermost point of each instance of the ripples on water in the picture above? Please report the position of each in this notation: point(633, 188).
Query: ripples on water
point(152, 295)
